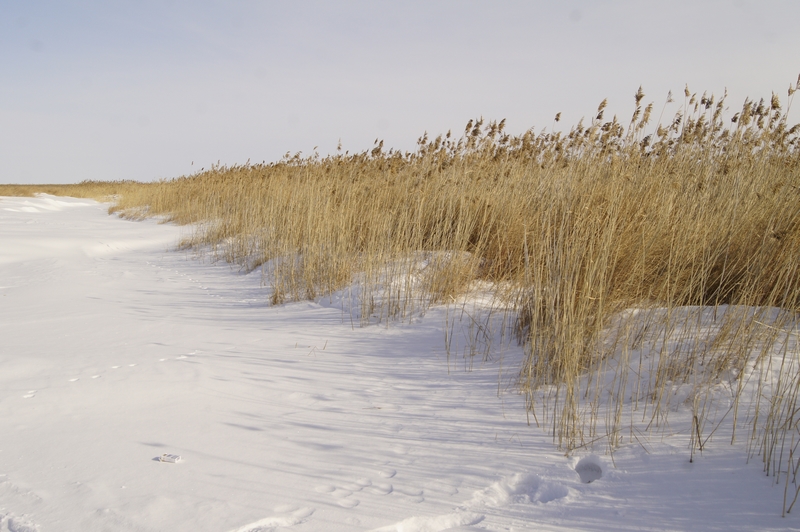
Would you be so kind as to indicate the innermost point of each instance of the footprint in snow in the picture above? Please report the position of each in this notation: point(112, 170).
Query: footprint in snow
point(340, 493)
point(343, 493)
point(287, 516)
point(348, 503)
point(447, 488)
point(31, 393)
point(589, 468)
point(16, 524)
point(381, 488)
point(387, 473)
point(413, 494)
point(400, 449)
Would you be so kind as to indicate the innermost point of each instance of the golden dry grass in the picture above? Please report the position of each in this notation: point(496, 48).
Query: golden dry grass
point(97, 190)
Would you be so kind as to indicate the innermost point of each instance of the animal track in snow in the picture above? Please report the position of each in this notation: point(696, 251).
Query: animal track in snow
point(98, 376)
point(291, 516)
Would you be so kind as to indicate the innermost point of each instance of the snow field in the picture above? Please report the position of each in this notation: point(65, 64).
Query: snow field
point(116, 350)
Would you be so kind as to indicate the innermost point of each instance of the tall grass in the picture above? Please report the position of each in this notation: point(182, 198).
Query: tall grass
point(670, 218)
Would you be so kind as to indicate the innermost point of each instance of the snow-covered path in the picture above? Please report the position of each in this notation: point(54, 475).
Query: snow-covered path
point(115, 350)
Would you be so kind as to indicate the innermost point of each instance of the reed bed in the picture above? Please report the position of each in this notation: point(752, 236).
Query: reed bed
point(666, 219)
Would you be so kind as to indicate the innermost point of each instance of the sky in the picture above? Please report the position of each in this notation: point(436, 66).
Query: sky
point(145, 90)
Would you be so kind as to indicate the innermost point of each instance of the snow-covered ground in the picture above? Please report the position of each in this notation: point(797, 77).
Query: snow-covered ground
point(114, 350)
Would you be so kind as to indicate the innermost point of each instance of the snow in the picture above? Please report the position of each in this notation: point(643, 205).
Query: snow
point(115, 350)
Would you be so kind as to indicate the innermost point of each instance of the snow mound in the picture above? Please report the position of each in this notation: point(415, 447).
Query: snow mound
point(520, 488)
point(438, 523)
point(43, 203)
point(290, 518)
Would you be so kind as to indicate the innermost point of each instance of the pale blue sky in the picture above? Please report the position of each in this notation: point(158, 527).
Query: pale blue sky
point(138, 89)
